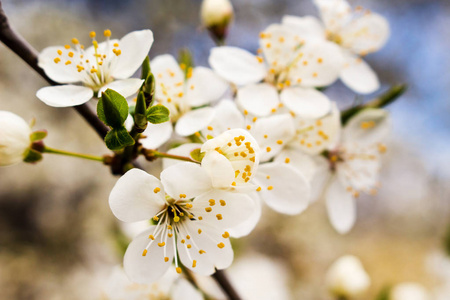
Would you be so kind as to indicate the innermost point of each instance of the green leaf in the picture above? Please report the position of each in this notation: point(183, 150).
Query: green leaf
point(197, 155)
point(32, 156)
point(158, 114)
point(118, 138)
point(112, 109)
point(38, 135)
point(145, 68)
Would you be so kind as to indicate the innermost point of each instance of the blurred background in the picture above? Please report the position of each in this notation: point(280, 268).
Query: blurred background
point(58, 236)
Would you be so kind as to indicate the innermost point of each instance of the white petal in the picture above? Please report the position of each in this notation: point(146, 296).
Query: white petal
point(258, 99)
point(341, 206)
point(182, 289)
point(365, 34)
point(59, 72)
point(272, 134)
point(169, 78)
point(283, 188)
point(358, 75)
point(14, 138)
point(136, 196)
point(204, 87)
point(368, 127)
point(307, 28)
point(319, 65)
point(278, 43)
point(227, 116)
point(236, 65)
point(152, 266)
point(194, 121)
point(185, 178)
point(244, 228)
point(126, 87)
point(156, 135)
point(227, 209)
point(182, 150)
point(135, 47)
point(335, 14)
point(65, 95)
point(306, 102)
point(219, 169)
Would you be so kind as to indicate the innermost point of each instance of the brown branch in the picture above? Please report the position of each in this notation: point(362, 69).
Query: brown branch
point(222, 280)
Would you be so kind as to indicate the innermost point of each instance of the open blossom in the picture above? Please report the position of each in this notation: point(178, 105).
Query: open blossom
point(347, 278)
point(170, 287)
point(290, 68)
point(14, 138)
point(349, 167)
point(358, 32)
point(190, 216)
point(409, 291)
point(101, 66)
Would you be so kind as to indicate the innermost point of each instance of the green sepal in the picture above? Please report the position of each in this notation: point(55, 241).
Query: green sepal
point(149, 85)
point(140, 112)
point(118, 138)
point(197, 155)
point(38, 135)
point(158, 114)
point(145, 68)
point(32, 156)
point(112, 109)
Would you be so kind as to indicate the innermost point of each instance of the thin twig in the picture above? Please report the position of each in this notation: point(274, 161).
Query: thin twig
point(222, 280)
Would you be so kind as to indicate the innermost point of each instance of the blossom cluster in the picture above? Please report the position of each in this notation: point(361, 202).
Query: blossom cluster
point(252, 129)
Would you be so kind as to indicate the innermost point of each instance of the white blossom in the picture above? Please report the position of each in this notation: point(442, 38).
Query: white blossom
point(101, 66)
point(216, 12)
point(14, 138)
point(409, 291)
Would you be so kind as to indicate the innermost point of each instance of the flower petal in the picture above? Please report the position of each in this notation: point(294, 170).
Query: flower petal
point(126, 87)
point(283, 188)
point(319, 64)
point(204, 87)
point(185, 179)
point(335, 14)
point(169, 79)
point(182, 150)
point(247, 226)
point(236, 65)
point(272, 133)
point(306, 102)
point(152, 266)
point(134, 47)
point(368, 127)
point(278, 43)
point(358, 75)
point(59, 72)
point(341, 206)
point(136, 196)
point(307, 28)
point(182, 289)
point(219, 169)
point(65, 95)
point(227, 116)
point(258, 99)
point(194, 121)
point(156, 135)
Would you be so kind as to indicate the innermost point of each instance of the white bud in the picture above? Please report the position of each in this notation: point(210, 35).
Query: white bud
point(216, 13)
point(14, 138)
point(347, 278)
point(409, 291)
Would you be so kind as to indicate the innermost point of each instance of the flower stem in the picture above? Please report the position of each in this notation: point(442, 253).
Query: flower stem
point(152, 154)
point(222, 280)
point(73, 154)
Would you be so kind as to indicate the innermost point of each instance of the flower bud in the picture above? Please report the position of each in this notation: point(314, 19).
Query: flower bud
point(216, 15)
point(409, 291)
point(14, 138)
point(347, 278)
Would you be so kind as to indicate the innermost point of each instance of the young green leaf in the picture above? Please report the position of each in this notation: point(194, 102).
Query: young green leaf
point(158, 114)
point(118, 138)
point(112, 109)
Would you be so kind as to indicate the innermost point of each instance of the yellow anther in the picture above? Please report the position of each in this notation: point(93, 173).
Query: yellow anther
point(281, 39)
point(219, 217)
point(200, 218)
point(210, 128)
point(367, 125)
point(92, 34)
point(221, 245)
point(262, 35)
point(234, 183)
point(222, 202)
point(280, 85)
point(189, 246)
point(118, 52)
point(194, 263)
point(268, 149)
point(208, 209)
point(183, 241)
point(117, 45)
point(67, 46)
point(268, 45)
point(212, 202)
point(287, 160)
point(265, 136)
point(188, 237)
point(170, 235)
point(166, 259)
point(334, 158)
point(155, 218)
point(245, 112)
point(144, 253)
point(197, 134)
point(268, 176)
point(70, 54)
point(59, 52)
point(178, 270)
point(182, 196)
point(272, 71)
point(162, 244)
point(68, 62)
point(151, 237)
point(314, 74)
point(252, 159)
point(270, 187)
point(287, 83)
point(356, 194)
point(225, 235)
point(274, 110)
point(75, 41)
point(201, 251)
point(180, 94)
point(279, 142)
point(176, 219)
point(156, 190)
point(382, 148)
point(309, 145)
point(57, 60)
point(258, 189)
point(260, 59)
point(299, 80)
point(199, 231)
point(305, 62)
point(96, 44)
point(319, 60)
point(243, 154)
point(189, 205)
point(107, 33)
point(319, 123)
point(192, 87)
point(249, 127)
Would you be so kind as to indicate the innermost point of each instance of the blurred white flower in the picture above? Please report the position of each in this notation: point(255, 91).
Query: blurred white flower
point(290, 70)
point(216, 13)
point(358, 32)
point(97, 68)
point(170, 287)
point(409, 291)
point(347, 278)
point(14, 138)
point(191, 221)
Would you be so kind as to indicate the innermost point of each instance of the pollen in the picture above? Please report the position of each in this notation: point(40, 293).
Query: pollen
point(314, 74)
point(260, 59)
point(144, 253)
point(274, 110)
point(258, 189)
point(162, 244)
point(221, 245)
point(92, 34)
point(155, 218)
point(151, 237)
point(212, 202)
point(170, 235)
point(210, 128)
point(208, 209)
point(305, 62)
point(57, 60)
point(219, 217)
point(200, 218)
point(281, 39)
point(59, 52)
point(107, 33)
point(245, 112)
point(265, 136)
point(67, 47)
point(182, 196)
point(319, 60)
point(156, 190)
point(75, 41)
point(367, 125)
point(225, 235)
point(194, 263)
point(199, 231)
point(178, 270)
point(234, 183)
point(287, 160)
point(222, 202)
point(268, 149)
point(166, 259)
point(270, 187)
point(201, 251)
point(189, 246)
point(279, 142)
point(188, 237)
point(116, 45)
point(268, 45)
